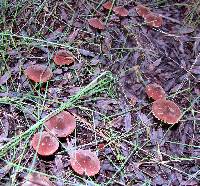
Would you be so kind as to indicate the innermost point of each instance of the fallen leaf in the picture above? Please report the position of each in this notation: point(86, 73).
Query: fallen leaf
point(127, 121)
point(5, 78)
point(86, 53)
point(73, 35)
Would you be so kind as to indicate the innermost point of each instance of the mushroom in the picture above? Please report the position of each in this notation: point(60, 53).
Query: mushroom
point(107, 5)
point(120, 11)
point(63, 57)
point(44, 143)
point(38, 73)
point(35, 179)
point(96, 23)
point(142, 10)
point(166, 110)
point(62, 124)
point(85, 161)
point(153, 20)
point(155, 91)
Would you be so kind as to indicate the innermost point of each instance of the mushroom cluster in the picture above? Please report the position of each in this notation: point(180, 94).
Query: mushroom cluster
point(163, 109)
point(63, 124)
point(152, 19)
point(118, 10)
point(45, 144)
point(41, 73)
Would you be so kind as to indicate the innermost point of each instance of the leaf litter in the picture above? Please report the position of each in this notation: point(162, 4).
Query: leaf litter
point(138, 149)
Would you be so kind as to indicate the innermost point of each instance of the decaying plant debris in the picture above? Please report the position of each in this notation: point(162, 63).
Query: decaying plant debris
point(100, 74)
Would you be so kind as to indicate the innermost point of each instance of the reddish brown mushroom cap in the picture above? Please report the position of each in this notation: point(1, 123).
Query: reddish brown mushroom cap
point(62, 124)
point(63, 57)
point(142, 10)
point(107, 5)
point(48, 144)
point(85, 161)
point(96, 23)
point(120, 11)
point(36, 180)
point(38, 73)
point(155, 91)
point(166, 110)
point(154, 20)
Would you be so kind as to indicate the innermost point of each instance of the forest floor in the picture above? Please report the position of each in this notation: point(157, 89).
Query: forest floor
point(114, 116)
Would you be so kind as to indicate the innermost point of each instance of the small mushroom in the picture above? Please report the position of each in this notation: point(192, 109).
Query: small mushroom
point(142, 10)
point(35, 179)
point(120, 11)
point(38, 73)
point(166, 110)
point(107, 5)
point(154, 20)
point(62, 124)
point(63, 57)
point(44, 143)
point(96, 23)
point(85, 161)
point(155, 91)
